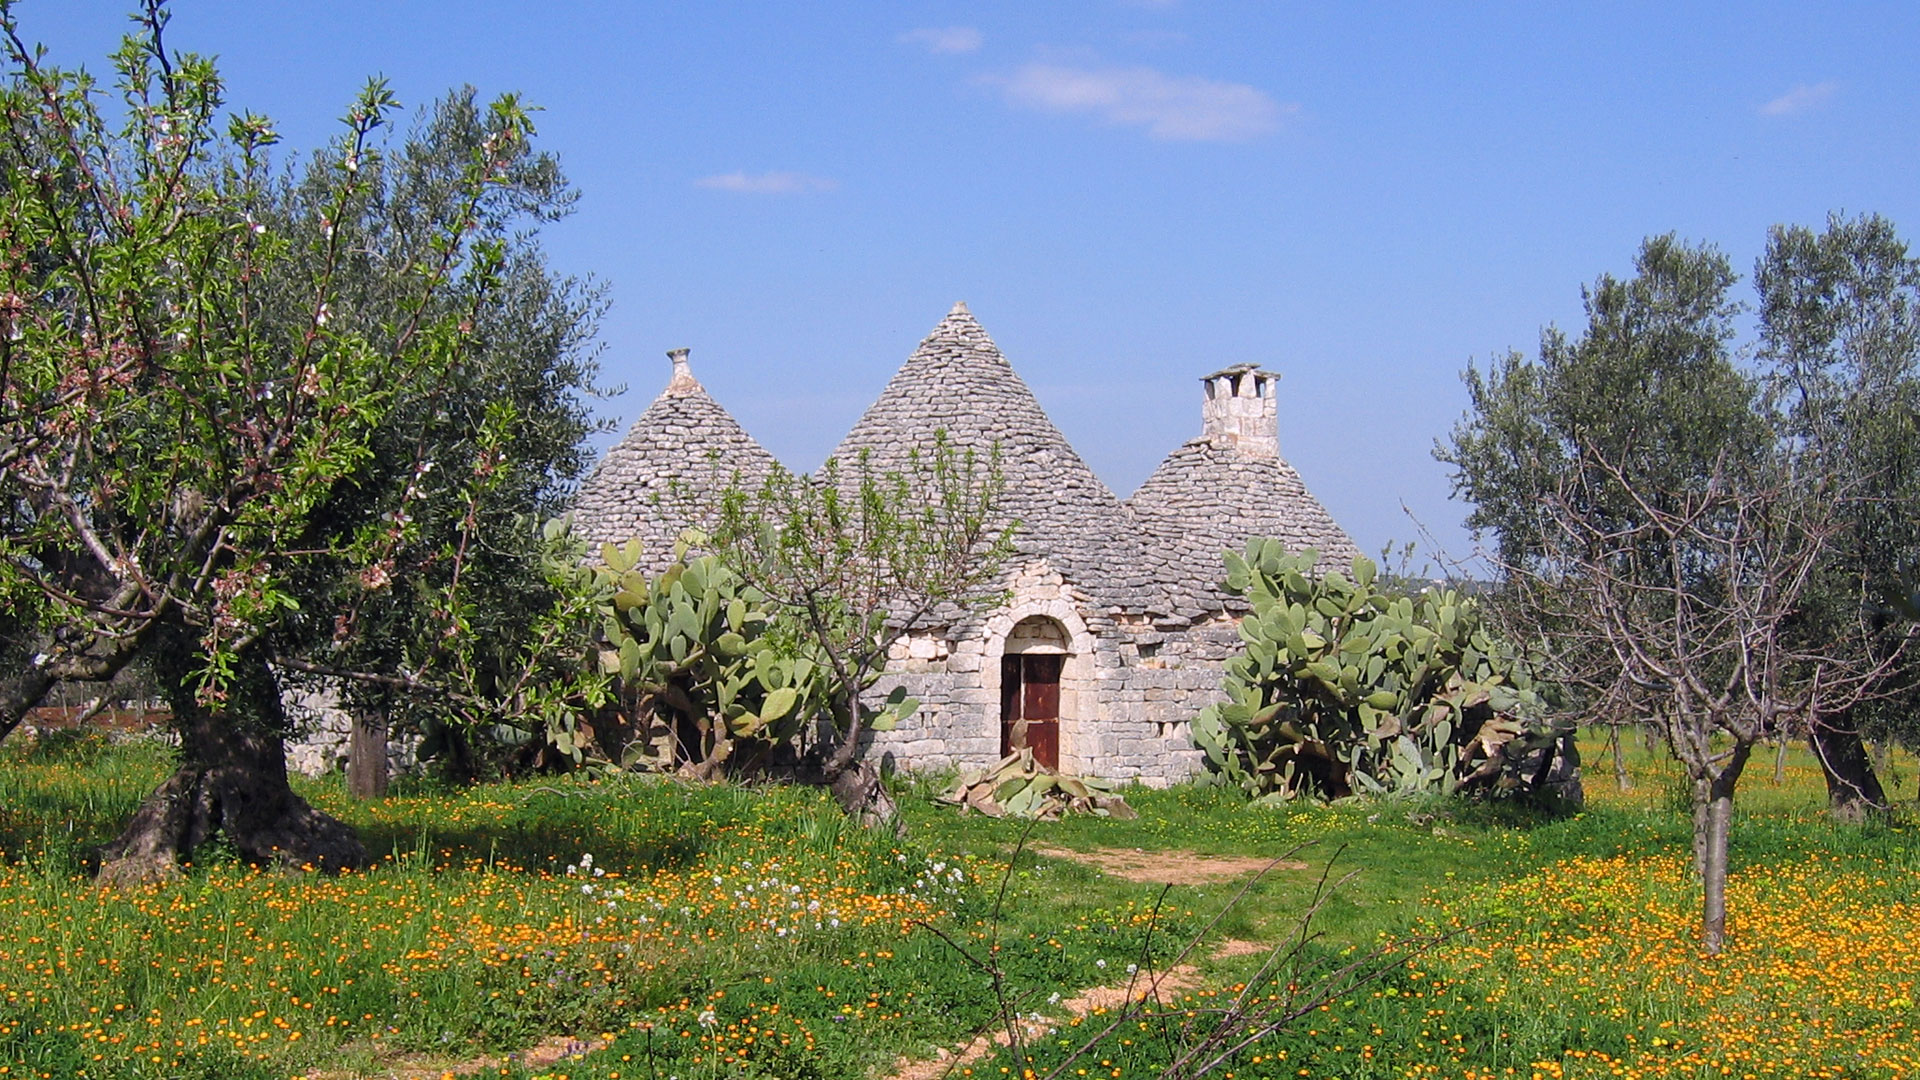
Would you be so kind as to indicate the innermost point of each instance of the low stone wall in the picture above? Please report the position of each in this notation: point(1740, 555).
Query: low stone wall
point(322, 728)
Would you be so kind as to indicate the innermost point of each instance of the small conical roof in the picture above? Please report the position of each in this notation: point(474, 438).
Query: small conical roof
point(668, 471)
point(958, 382)
point(1210, 497)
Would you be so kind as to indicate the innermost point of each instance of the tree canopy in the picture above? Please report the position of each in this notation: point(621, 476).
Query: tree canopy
point(1667, 538)
point(242, 402)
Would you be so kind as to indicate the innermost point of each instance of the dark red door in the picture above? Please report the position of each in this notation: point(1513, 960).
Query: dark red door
point(1030, 706)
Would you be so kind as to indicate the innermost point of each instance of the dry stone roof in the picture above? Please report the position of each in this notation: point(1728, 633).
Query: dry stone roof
point(671, 465)
point(1158, 553)
point(1218, 491)
point(958, 382)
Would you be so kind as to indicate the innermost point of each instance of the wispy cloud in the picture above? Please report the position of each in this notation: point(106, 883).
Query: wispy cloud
point(1184, 108)
point(767, 183)
point(1803, 98)
point(944, 39)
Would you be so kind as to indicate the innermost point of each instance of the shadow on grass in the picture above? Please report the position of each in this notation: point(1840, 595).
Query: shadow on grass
point(533, 849)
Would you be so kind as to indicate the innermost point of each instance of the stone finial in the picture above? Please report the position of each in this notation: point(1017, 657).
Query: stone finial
point(683, 380)
point(1240, 410)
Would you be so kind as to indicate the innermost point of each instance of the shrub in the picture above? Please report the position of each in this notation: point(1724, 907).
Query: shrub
point(1346, 689)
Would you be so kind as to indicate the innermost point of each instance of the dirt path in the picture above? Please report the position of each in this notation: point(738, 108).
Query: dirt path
point(1165, 985)
point(1183, 867)
point(1132, 864)
point(551, 1050)
point(1183, 977)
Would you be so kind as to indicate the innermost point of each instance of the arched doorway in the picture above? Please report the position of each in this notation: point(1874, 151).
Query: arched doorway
point(1035, 653)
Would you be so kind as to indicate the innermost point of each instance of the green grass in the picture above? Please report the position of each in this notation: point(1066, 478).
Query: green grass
point(753, 933)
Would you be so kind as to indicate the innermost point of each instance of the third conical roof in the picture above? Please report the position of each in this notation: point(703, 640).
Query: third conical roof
point(1208, 498)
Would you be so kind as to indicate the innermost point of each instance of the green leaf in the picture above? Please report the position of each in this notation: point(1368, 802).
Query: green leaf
point(779, 703)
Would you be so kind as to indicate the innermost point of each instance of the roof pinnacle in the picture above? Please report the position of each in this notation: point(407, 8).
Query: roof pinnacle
point(683, 381)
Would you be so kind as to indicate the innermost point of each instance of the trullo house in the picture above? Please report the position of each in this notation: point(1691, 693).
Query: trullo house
point(1117, 626)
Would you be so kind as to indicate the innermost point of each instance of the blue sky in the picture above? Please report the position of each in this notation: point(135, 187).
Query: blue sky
point(1129, 195)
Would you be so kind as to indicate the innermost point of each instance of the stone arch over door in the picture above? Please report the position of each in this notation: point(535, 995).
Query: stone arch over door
point(1038, 636)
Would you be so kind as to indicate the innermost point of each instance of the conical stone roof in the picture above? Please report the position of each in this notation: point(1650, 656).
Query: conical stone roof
point(958, 382)
point(667, 471)
point(1216, 492)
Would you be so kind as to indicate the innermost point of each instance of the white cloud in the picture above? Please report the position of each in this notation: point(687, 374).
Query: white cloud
point(1801, 99)
point(767, 183)
point(944, 39)
point(1170, 107)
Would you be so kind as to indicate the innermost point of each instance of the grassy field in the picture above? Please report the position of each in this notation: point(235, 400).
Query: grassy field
point(645, 928)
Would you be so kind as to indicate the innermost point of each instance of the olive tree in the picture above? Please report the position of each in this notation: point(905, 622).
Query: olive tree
point(1839, 313)
point(1658, 538)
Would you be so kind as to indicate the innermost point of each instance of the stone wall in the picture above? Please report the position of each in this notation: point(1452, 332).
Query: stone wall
point(1128, 693)
point(321, 729)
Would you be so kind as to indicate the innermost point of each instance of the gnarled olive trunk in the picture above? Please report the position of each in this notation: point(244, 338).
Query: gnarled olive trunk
point(231, 781)
point(20, 692)
point(1853, 788)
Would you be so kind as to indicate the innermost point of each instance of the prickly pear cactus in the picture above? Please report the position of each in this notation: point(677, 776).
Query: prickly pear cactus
point(699, 644)
point(1344, 689)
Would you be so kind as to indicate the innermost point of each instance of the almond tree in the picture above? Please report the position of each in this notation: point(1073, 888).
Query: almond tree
point(185, 408)
point(854, 559)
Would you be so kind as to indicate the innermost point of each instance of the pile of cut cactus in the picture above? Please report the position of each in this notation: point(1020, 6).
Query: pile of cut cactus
point(1022, 787)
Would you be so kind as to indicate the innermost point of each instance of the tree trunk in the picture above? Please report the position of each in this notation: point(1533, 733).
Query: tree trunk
point(1853, 789)
point(856, 785)
point(231, 780)
point(1713, 908)
point(367, 753)
point(1702, 825)
point(864, 796)
point(1780, 760)
point(20, 693)
point(1620, 777)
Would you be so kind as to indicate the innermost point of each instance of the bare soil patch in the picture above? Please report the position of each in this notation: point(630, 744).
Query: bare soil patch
point(1180, 867)
point(1239, 947)
point(1164, 984)
point(551, 1050)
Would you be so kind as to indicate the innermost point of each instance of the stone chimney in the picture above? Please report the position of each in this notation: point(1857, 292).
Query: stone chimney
point(1241, 410)
point(683, 381)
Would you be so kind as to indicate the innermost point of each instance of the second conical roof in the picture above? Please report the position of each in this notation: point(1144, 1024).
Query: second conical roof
point(957, 381)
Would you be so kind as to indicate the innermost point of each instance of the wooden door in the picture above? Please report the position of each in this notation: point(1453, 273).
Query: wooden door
point(1030, 706)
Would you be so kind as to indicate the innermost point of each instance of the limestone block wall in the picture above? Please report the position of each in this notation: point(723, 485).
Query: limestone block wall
point(1129, 688)
point(321, 728)
point(953, 728)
